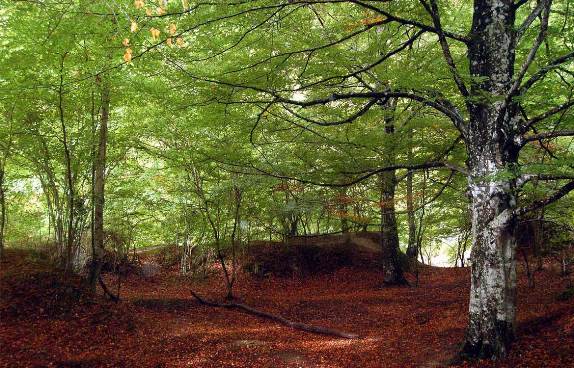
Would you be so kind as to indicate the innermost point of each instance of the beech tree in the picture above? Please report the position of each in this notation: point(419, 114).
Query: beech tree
point(491, 79)
point(494, 64)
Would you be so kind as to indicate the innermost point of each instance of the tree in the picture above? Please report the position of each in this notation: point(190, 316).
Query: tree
point(6, 145)
point(494, 76)
point(489, 105)
point(98, 189)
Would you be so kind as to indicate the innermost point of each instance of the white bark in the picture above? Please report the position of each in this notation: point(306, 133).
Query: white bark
point(493, 281)
point(492, 149)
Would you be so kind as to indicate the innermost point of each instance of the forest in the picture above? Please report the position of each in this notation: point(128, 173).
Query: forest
point(286, 183)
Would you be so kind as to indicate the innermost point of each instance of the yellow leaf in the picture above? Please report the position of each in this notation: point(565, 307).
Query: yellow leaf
point(128, 55)
point(179, 42)
point(148, 12)
point(172, 29)
point(169, 42)
point(126, 42)
point(133, 26)
point(155, 33)
point(185, 4)
point(139, 4)
point(372, 20)
point(160, 11)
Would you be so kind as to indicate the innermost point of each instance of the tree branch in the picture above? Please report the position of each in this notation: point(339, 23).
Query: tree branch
point(555, 110)
point(523, 179)
point(433, 11)
point(276, 318)
point(545, 6)
point(541, 73)
point(546, 201)
point(410, 22)
point(546, 135)
point(528, 21)
point(348, 120)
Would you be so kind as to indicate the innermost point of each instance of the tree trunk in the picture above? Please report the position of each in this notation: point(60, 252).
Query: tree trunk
point(412, 248)
point(393, 273)
point(2, 211)
point(491, 149)
point(343, 210)
point(392, 269)
point(68, 263)
point(99, 185)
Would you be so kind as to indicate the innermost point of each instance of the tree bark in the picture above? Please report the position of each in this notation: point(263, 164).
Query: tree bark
point(343, 210)
point(392, 268)
point(412, 248)
point(99, 190)
point(68, 264)
point(2, 211)
point(491, 149)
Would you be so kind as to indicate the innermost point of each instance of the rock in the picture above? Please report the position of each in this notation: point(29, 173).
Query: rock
point(150, 270)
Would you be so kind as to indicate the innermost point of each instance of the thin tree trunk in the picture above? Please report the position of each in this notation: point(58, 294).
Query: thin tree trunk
point(68, 264)
point(412, 249)
point(392, 268)
point(393, 273)
point(99, 192)
point(235, 238)
point(343, 210)
point(2, 211)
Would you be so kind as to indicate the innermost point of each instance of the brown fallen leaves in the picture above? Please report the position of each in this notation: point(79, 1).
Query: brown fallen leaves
point(159, 325)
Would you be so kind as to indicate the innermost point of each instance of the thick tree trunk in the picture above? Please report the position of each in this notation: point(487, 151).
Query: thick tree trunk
point(99, 184)
point(493, 280)
point(492, 150)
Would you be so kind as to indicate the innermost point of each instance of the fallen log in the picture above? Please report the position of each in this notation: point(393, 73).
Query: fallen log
point(276, 318)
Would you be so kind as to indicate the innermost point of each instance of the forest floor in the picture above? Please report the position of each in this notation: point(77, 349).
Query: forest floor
point(158, 323)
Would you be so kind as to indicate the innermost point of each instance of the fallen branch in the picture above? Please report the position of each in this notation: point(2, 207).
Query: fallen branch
point(276, 318)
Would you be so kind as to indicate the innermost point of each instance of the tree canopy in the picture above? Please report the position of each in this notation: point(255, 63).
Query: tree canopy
point(231, 121)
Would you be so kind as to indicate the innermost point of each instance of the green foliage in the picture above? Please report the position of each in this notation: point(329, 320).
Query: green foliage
point(197, 116)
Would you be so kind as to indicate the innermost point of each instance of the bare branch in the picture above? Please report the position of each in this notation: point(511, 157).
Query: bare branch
point(273, 317)
point(422, 166)
point(357, 72)
point(520, 3)
point(523, 179)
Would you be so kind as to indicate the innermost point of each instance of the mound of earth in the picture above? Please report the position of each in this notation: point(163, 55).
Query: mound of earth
point(308, 255)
